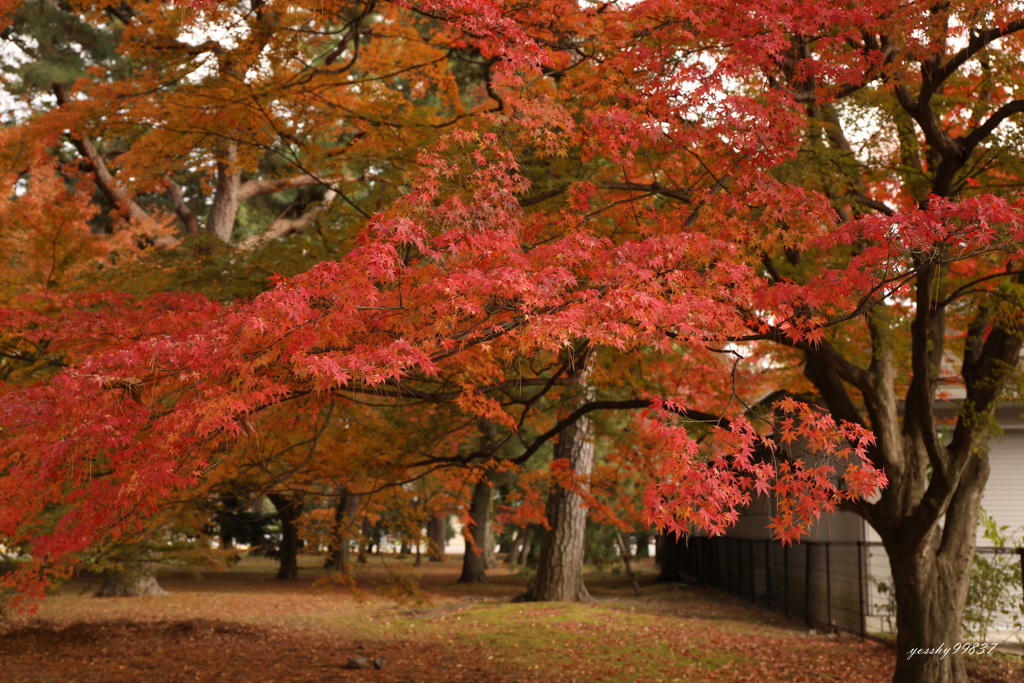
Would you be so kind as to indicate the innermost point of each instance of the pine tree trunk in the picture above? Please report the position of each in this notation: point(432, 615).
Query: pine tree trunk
point(474, 561)
point(437, 537)
point(289, 512)
point(560, 569)
point(339, 555)
point(224, 210)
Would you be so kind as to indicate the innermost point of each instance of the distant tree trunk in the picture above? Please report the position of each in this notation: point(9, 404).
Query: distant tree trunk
point(668, 558)
point(643, 545)
point(524, 555)
point(289, 511)
point(364, 546)
point(339, 554)
point(436, 533)
point(130, 584)
point(490, 558)
point(517, 546)
point(224, 210)
point(226, 517)
point(406, 548)
point(475, 533)
point(560, 569)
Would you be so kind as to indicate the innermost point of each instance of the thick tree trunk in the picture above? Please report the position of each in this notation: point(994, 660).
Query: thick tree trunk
point(221, 220)
point(289, 511)
point(931, 583)
point(474, 562)
point(339, 555)
point(560, 569)
point(129, 584)
point(437, 537)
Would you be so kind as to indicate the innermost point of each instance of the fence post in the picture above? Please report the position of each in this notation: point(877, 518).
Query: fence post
point(860, 588)
point(753, 583)
point(1020, 551)
point(828, 584)
point(785, 578)
point(807, 587)
point(728, 565)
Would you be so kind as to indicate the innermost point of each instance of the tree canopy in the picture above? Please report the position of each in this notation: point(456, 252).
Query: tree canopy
point(707, 203)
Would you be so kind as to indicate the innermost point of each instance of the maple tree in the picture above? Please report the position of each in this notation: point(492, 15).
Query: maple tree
point(756, 192)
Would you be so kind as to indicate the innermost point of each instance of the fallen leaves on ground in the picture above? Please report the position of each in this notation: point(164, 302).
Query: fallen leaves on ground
point(243, 626)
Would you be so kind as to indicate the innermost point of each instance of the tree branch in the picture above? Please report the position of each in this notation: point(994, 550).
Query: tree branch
point(101, 173)
point(978, 41)
point(991, 123)
point(251, 188)
point(180, 207)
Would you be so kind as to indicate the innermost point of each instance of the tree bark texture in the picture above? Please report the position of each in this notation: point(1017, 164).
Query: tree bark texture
point(289, 510)
point(437, 536)
point(474, 563)
point(560, 568)
point(339, 555)
point(129, 584)
point(226, 199)
point(532, 532)
point(490, 557)
point(931, 584)
point(928, 515)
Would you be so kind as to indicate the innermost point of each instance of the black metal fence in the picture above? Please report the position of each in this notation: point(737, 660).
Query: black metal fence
point(829, 585)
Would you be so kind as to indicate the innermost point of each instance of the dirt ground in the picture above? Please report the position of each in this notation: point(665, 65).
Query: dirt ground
point(243, 626)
